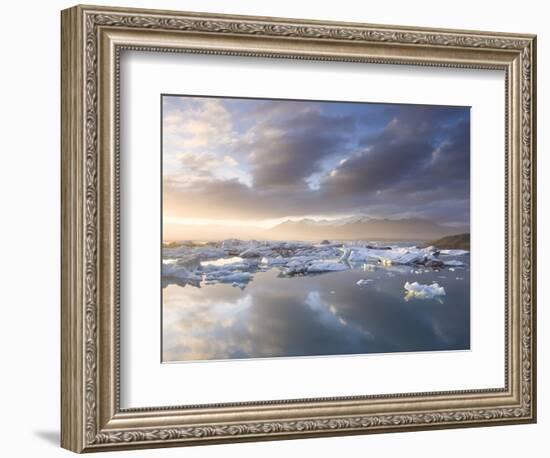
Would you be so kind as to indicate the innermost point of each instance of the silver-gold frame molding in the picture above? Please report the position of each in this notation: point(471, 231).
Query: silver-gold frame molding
point(92, 40)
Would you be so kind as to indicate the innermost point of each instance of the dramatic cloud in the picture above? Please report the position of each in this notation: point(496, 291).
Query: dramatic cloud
point(291, 150)
point(266, 159)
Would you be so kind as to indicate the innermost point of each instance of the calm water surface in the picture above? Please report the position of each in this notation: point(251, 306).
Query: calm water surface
point(324, 314)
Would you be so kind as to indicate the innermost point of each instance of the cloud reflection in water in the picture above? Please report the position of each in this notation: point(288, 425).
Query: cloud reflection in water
point(310, 316)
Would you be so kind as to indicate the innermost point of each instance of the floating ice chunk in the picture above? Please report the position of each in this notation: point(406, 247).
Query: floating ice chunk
point(403, 257)
point(291, 245)
point(253, 252)
point(420, 291)
point(294, 268)
point(327, 244)
point(173, 270)
point(217, 268)
point(325, 266)
point(210, 253)
point(233, 277)
point(232, 243)
point(453, 252)
point(346, 252)
point(364, 281)
point(387, 257)
point(190, 261)
point(454, 263)
point(226, 263)
point(274, 261)
point(300, 260)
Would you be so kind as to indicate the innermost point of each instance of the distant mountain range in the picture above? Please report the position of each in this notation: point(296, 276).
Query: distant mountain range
point(362, 227)
point(349, 228)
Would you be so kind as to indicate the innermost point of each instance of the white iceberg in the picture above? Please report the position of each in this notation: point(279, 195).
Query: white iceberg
point(179, 272)
point(325, 266)
point(299, 260)
point(229, 277)
point(408, 255)
point(368, 267)
point(253, 252)
point(420, 291)
point(237, 261)
point(454, 263)
point(274, 261)
point(453, 252)
point(190, 261)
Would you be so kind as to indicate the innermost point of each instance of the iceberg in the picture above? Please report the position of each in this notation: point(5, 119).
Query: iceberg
point(273, 261)
point(190, 261)
point(257, 252)
point(420, 291)
point(299, 260)
point(229, 277)
point(237, 261)
point(181, 273)
point(252, 253)
point(453, 252)
point(230, 267)
point(325, 266)
point(454, 263)
point(387, 257)
point(368, 267)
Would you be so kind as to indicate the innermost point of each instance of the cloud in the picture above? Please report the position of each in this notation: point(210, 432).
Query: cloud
point(196, 125)
point(266, 323)
point(269, 321)
point(414, 163)
point(290, 140)
point(261, 159)
point(230, 161)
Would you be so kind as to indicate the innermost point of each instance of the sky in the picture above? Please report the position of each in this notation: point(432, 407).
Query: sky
point(257, 162)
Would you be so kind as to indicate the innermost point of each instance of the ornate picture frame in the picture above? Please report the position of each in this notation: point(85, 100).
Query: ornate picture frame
point(92, 41)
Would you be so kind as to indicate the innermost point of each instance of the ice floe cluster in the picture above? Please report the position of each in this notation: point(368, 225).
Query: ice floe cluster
point(236, 261)
point(418, 290)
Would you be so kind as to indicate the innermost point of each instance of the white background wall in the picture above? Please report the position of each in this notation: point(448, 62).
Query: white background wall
point(29, 231)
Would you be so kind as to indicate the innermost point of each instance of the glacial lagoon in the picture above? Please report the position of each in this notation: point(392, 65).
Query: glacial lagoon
point(268, 300)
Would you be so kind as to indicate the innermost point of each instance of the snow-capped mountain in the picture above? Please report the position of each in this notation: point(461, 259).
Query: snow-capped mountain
point(362, 227)
point(327, 222)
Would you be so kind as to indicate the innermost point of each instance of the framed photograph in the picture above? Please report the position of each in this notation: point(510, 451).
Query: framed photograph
point(277, 228)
